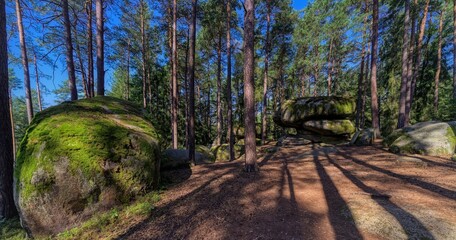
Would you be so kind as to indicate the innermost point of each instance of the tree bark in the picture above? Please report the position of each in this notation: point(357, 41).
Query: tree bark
point(330, 62)
point(81, 65)
point(410, 66)
point(128, 70)
point(143, 55)
point(69, 51)
point(402, 120)
point(174, 104)
point(100, 47)
point(218, 139)
point(374, 98)
point(38, 88)
point(25, 65)
point(249, 86)
point(417, 64)
point(454, 49)
point(7, 207)
point(191, 85)
point(228, 81)
point(266, 74)
point(90, 49)
point(439, 65)
point(359, 103)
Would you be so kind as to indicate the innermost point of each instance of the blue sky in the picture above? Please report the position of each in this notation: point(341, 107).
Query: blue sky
point(60, 73)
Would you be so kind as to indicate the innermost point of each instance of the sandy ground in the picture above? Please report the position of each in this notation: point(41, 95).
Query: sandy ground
point(310, 192)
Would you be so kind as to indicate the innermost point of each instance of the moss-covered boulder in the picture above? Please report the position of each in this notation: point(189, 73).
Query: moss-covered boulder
point(222, 154)
point(293, 113)
point(330, 127)
point(83, 157)
point(364, 137)
point(426, 138)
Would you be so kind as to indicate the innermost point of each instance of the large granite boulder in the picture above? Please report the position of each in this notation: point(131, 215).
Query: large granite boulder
point(327, 116)
point(293, 113)
point(83, 157)
point(426, 138)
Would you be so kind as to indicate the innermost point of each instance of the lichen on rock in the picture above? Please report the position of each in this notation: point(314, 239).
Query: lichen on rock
point(82, 157)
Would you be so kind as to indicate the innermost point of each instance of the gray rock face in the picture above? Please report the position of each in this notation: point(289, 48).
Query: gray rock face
point(364, 137)
point(427, 138)
point(328, 116)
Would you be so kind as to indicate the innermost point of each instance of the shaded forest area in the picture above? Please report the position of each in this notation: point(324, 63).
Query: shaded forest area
point(205, 72)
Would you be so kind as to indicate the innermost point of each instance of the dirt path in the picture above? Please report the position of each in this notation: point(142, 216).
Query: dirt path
point(311, 192)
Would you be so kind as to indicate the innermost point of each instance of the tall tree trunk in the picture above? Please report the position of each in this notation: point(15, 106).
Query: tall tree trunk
point(410, 66)
point(81, 65)
point(359, 102)
point(228, 81)
point(128, 70)
point(7, 207)
point(187, 49)
point(38, 88)
point(13, 134)
point(330, 62)
point(100, 47)
point(25, 65)
point(374, 102)
point(174, 104)
point(143, 55)
point(218, 139)
point(69, 51)
point(90, 48)
point(417, 64)
point(404, 77)
point(439, 65)
point(249, 86)
point(191, 86)
point(454, 49)
point(264, 123)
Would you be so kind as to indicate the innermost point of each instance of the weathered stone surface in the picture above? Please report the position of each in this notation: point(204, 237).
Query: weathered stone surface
point(427, 138)
point(177, 158)
point(83, 157)
point(330, 127)
point(293, 113)
point(364, 137)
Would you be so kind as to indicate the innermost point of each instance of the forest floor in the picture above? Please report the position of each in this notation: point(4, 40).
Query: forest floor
point(309, 192)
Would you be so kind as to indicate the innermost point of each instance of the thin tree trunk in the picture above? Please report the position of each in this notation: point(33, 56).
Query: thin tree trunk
point(83, 73)
point(249, 86)
point(187, 49)
point(266, 75)
point(90, 48)
point(439, 65)
point(408, 98)
point(38, 88)
point(100, 47)
point(359, 103)
point(143, 55)
point(330, 62)
point(218, 140)
point(418, 50)
point(374, 102)
point(28, 94)
point(69, 52)
point(174, 104)
point(128, 70)
point(7, 207)
point(13, 134)
point(191, 68)
point(454, 49)
point(228, 81)
point(404, 78)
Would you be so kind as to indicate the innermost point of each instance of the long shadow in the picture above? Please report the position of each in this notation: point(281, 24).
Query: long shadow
point(409, 223)
point(335, 203)
point(419, 183)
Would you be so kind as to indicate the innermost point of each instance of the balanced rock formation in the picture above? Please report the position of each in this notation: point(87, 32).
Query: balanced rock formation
point(83, 157)
point(426, 138)
point(327, 116)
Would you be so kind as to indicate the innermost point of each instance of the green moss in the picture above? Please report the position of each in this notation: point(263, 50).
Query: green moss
point(86, 132)
point(11, 229)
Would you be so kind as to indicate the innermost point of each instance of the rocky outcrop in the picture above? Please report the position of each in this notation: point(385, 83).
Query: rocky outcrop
point(364, 137)
point(328, 116)
point(83, 157)
point(426, 138)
